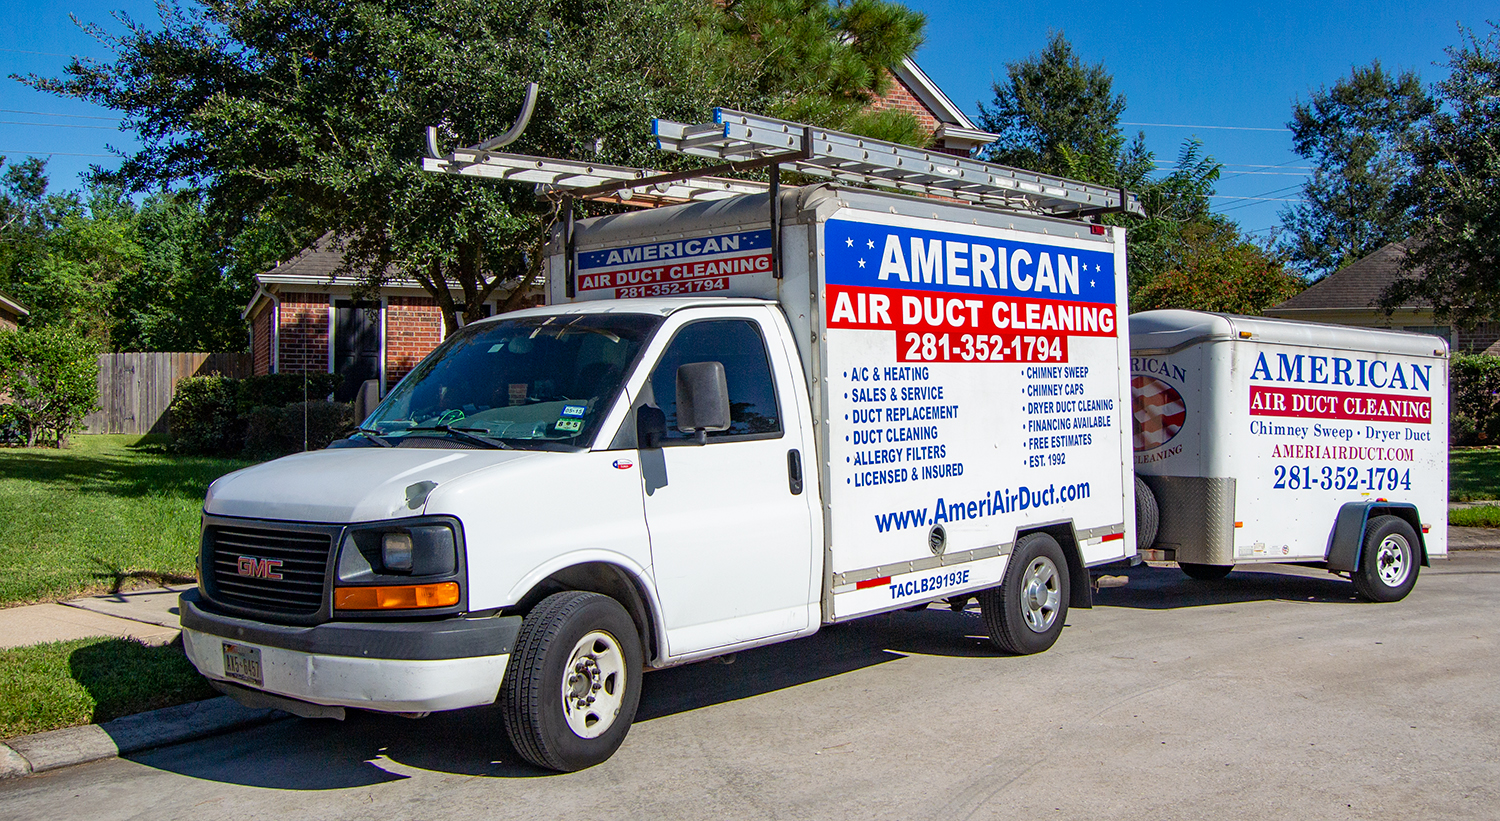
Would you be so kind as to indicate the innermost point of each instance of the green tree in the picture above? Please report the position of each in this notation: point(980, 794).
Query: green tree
point(181, 296)
point(1454, 191)
point(811, 61)
point(1057, 115)
point(1214, 268)
point(308, 116)
point(60, 254)
point(1356, 133)
point(50, 376)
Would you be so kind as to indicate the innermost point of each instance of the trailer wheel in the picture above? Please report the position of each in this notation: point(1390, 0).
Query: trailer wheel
point(1026, 612)
point(1205, 572)
point(1147, 515)
point(1388, 564)
point(573, 683)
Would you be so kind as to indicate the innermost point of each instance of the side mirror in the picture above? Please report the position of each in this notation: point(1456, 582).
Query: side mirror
point(650, 426)
point(702, 399)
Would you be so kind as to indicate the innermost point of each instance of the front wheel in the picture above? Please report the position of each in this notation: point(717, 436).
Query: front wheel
point(573, 683)
point(1026, 612)
point(1388, 563)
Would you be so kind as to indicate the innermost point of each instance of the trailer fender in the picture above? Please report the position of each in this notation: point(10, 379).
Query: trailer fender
point(1080, 584)
point(1346, 541)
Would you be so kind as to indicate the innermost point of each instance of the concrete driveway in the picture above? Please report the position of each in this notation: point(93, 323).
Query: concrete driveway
point(1266, 695)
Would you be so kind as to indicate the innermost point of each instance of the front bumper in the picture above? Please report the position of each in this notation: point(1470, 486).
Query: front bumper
point(396, 667)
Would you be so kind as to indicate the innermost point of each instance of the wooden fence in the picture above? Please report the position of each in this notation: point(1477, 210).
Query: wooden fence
point(135, 389)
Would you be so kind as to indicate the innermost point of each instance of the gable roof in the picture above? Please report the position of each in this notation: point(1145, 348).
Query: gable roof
point(953, 125)
point(1356, 286)
point(11, 306)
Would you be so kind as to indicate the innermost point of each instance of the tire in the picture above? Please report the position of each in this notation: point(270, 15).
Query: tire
point(575, 650)
point(1147, 515)
point(1205, 572)
point(1389, 560)
point(1025, 614)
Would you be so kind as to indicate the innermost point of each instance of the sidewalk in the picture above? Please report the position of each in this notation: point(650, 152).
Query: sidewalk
point(149, 615)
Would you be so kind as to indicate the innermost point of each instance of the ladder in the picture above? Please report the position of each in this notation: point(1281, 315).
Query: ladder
point(742, 141)
point(735, 136)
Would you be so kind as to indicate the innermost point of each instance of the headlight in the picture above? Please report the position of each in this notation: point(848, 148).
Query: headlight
point(395, 552)
point(402, 565)
point(369, 553)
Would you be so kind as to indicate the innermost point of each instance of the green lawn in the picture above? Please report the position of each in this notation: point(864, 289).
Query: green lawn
point(1473, 474)
point(108, 513)
point(86, 681)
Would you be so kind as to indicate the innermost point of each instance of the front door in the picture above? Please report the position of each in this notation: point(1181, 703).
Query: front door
point(356, 346)
point(730, 542)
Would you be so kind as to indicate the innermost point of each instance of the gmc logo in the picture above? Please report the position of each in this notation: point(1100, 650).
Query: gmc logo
point(259, 568)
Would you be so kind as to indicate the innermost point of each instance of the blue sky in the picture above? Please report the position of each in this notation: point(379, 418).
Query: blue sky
point(1230, 71)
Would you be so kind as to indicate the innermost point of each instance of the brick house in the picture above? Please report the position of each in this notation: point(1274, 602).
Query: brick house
point(916, 94)
point(1349, 296)
point(11, 313)
point(300, 300)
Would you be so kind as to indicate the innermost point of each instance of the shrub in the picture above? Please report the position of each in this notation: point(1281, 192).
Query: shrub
point(1474, 387)
point(203, 416)
point(11, 432)
point(51, 376)
point(271, 432)
point(277, 390)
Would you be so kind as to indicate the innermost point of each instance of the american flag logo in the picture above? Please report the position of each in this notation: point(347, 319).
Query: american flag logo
point(1158, 411)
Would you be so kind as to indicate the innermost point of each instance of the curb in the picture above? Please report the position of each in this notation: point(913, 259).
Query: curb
point(38, 753)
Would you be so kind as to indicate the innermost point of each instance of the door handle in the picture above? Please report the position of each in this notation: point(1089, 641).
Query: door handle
point(794, 471)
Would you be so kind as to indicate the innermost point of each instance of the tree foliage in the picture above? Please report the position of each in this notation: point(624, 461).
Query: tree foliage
point(1357, 133)
point(302, 117)
point(1057, 115)
point(50, 376)
point(1454, 191)
point(1214, 268)
point(151, 277)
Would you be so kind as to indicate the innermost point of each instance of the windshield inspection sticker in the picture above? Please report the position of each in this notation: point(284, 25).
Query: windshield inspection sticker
point(575, 411)
point(571, 425)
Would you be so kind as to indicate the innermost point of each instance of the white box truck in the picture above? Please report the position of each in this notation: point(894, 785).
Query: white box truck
point(704, 443)
point(1265, 440)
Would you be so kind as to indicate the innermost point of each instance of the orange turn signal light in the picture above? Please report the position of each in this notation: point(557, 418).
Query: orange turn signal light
point(399, 597)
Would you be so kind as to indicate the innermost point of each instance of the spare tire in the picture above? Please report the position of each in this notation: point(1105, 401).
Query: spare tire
point(1147, 516)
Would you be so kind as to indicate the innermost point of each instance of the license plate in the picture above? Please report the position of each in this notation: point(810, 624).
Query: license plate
point(243, 663)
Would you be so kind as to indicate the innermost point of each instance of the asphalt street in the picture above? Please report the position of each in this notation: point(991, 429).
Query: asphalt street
point(1266, 695)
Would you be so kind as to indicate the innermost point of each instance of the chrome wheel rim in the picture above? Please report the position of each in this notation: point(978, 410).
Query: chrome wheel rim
point(1393, 560)
point(1040, 594)
point(593, 685)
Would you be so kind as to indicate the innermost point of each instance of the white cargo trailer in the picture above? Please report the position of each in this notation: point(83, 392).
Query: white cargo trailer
point(1266, 440)
point(738, 420)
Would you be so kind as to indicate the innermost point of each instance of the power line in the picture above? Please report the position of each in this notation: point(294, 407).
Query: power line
point(59, 125)
point(1257, 199)
point(1215, 127)
point(50, 114)
point(43, 53)
point(52, 153)
point(1251, 165)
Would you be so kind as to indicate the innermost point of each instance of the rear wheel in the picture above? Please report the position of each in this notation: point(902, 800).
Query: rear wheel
point(1205, 572)
point(1388, 564)
point(573, 683)
point(1026, 612)
point(1147, 515)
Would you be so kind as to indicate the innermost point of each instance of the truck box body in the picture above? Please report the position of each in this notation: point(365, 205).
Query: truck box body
point(1255, 433)
point(967, 370)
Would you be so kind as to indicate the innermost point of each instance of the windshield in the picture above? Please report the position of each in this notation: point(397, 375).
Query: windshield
point(539, 379)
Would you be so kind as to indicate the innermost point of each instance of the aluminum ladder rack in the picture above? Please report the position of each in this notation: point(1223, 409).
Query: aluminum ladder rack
point(738, 137)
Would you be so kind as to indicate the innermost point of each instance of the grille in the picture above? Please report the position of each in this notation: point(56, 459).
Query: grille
point(303, 556)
